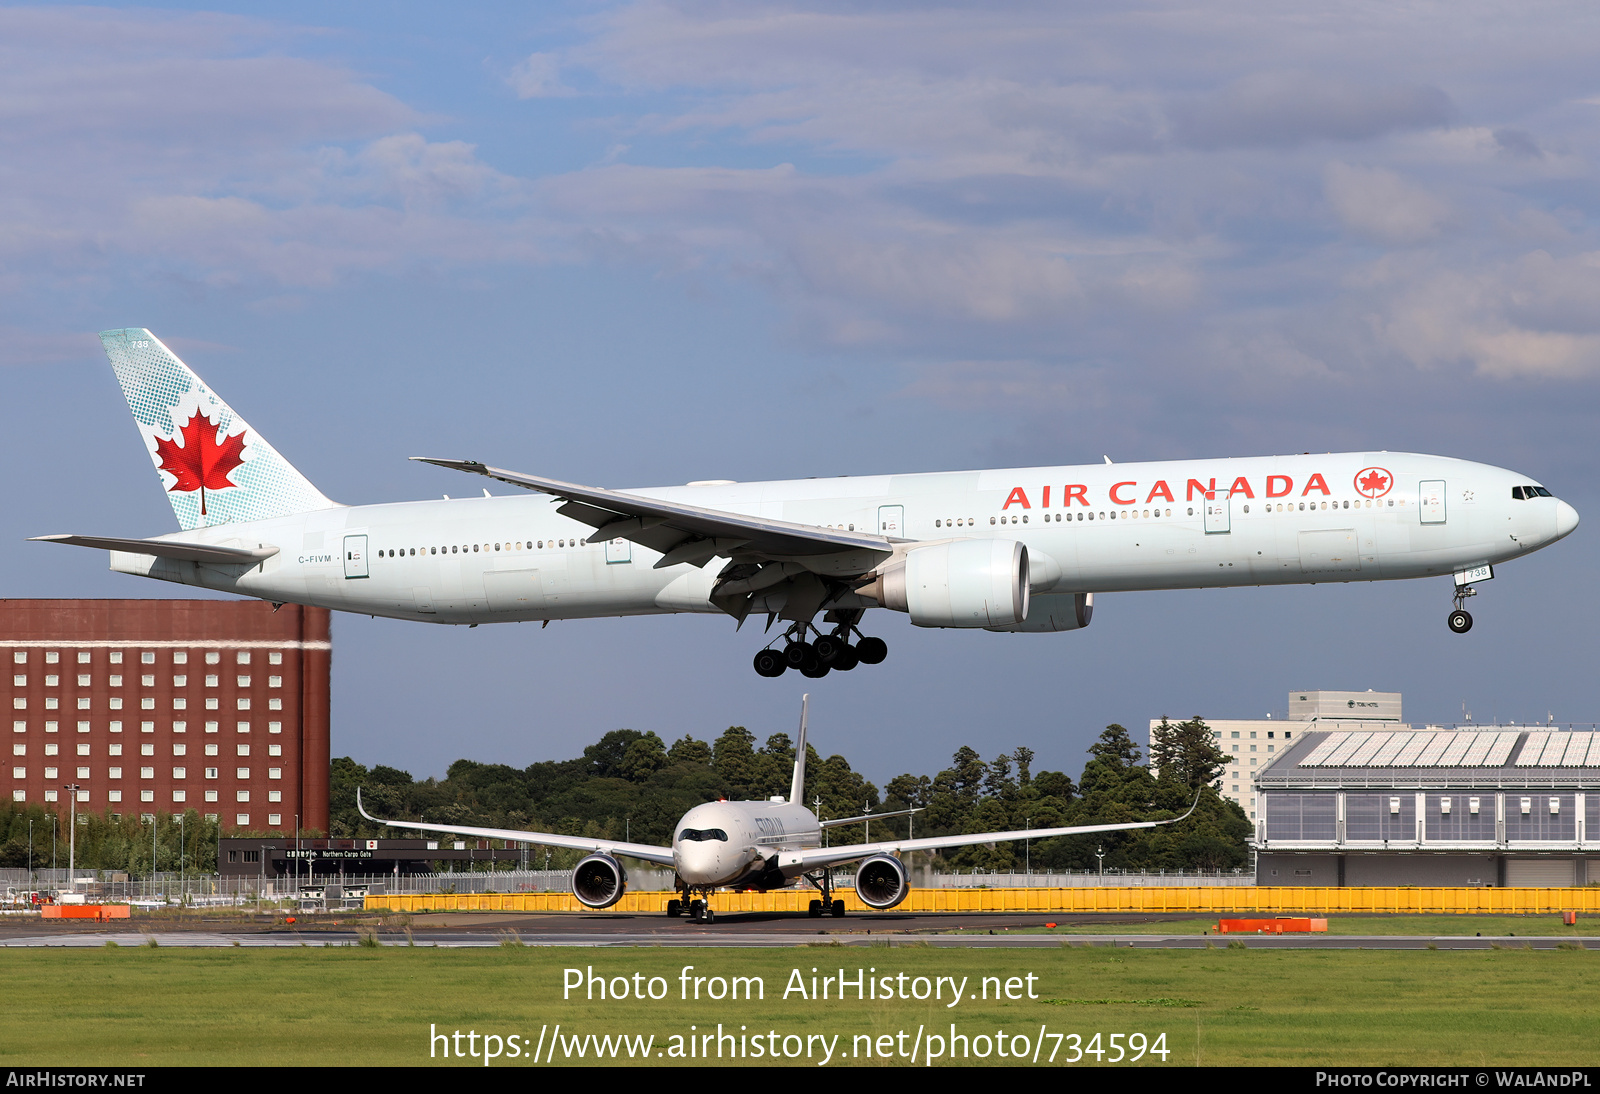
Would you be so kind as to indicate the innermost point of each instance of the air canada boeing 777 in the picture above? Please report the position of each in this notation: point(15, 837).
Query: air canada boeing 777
point(1017, 549)
point(756, 846)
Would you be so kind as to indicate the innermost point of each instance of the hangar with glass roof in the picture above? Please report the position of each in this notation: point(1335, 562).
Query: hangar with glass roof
point(1464, 805)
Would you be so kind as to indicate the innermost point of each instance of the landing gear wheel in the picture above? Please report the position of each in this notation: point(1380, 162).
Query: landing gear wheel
point(674, 909)
point(1460, 621)
point(770, 663)
point(847, 660)
point(837, 911)
point(872, 651)
point(829, 647)
point(814, 669)
point(815, 910)
point(697, 911)
point(708, 916)
point(796, 654)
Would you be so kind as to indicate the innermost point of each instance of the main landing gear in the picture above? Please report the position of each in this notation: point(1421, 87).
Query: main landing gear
point(817, 658)
point(827, 905)
point(1460, 618)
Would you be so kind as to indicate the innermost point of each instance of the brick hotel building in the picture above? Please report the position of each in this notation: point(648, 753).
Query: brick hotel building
point(154, 706)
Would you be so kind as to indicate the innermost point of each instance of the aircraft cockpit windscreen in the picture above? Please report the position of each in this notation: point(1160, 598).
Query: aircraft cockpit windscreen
point(702, 835)
point(1526, 493)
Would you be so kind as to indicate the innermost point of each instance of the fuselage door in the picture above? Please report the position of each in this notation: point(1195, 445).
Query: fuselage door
point(891, 520)
point(619, 550)
point(1219, 514)
point(355, 556)
point(1431, 503)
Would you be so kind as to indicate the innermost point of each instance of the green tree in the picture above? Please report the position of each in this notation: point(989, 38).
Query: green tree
point(1187, 753)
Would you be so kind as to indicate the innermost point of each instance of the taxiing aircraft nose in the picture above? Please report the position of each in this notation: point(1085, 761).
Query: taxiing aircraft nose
point(1566, 519)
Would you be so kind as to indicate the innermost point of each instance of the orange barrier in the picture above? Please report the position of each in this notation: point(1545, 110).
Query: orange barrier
point(1200, 900)
point(100, 912)
point(1280, 925)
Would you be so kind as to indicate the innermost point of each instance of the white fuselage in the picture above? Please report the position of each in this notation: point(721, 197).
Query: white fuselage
point(1088, 529)
point(739, 839)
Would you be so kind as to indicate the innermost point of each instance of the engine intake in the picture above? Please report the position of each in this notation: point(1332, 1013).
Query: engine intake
point(599, 881)
point(962, 583)
point(882, 882)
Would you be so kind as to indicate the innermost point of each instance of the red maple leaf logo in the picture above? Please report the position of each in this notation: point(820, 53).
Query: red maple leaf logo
point(1373, 481)
point(204, 459)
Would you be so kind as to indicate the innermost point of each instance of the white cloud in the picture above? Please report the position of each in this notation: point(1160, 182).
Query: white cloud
point(538, 76)
point(1381, 205)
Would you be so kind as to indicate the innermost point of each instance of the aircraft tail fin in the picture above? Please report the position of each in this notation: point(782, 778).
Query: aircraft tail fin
point(213, 466)
point(797, 789)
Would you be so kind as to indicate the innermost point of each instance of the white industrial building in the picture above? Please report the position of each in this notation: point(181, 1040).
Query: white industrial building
point(1464, 805)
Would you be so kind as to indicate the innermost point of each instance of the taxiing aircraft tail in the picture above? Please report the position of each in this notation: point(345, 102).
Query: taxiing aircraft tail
point(797, 789)
point(213, 466)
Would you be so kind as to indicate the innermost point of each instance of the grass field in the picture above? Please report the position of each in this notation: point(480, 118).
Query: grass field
point(355, 1005)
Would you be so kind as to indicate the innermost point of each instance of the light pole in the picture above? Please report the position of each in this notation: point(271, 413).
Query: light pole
point(72, 836)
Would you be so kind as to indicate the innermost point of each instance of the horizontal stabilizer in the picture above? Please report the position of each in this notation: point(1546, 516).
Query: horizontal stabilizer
point(166, 548)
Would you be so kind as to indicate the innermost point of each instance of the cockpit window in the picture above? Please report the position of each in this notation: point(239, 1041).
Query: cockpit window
point(1524, 493)
point(701, 835)
point(1543, 493)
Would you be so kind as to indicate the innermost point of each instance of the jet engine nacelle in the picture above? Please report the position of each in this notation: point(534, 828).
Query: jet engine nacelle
point(599, 881)
point(1055, 612)
point(882, 882)
point(962, 583)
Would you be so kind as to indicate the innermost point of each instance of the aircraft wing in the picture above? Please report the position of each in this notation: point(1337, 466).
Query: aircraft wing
point(685, 533)
point(831, 856)
point(166, 548)
point(661, 856)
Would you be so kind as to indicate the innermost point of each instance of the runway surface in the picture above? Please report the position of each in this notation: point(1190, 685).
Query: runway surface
point(748, 930)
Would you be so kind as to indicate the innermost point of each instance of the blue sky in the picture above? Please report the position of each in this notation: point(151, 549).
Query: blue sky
point(642, 243)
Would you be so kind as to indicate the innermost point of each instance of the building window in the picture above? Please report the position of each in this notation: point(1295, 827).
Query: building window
point(244, 657)
point(147, 773)
point(274, 704)
point(19, 795)
point(19, 773)
point(244, 681)
point(116, 727)
point(213, 657)
point(83, 772)
point(274, 795)
point(241, 795)
point(115, 772)
point(211, 772)
point(241, 819)
point(148, 657)
point(83, 748)
point(211, 702)
point(115, 796)
point(51, 657)
point(19, 657)
point(211, 727)
point(19, 727)
point(116, 702)
point(244, 702)
point(211, 680)
point(83, 680)
point(274, 750)
point(179, 703)
point(148, 680)
point(275, 657)
point(180, 727)
point(272, 773)
point(180, 773)
point(116, 657)
point(179, 795)
point(147, 795)
point(275, 819)
point(148, 748)
point(49, 795)
point(243, 750)
point(19, 748)
point(116, 748)
point(147, 703)
point(19, 681)
point(147, 727)
point(274, 727)
point(52, 703)
point(179, 748)
point(83, 727)
point(51, 748)
point(50, 773)
point(211, 795)
point(274, 681)
point(241, 773)
point(243, 727)
point(211, 748)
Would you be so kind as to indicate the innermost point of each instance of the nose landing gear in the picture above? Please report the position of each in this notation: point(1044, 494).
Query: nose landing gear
point(1460, 618)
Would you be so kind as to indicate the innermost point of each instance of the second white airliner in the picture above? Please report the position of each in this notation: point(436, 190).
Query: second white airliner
point(1014, 549)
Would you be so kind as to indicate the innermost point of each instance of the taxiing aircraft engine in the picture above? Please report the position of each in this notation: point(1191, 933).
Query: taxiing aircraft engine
point(963, 583)
point(599, 881)
point(882, 882)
